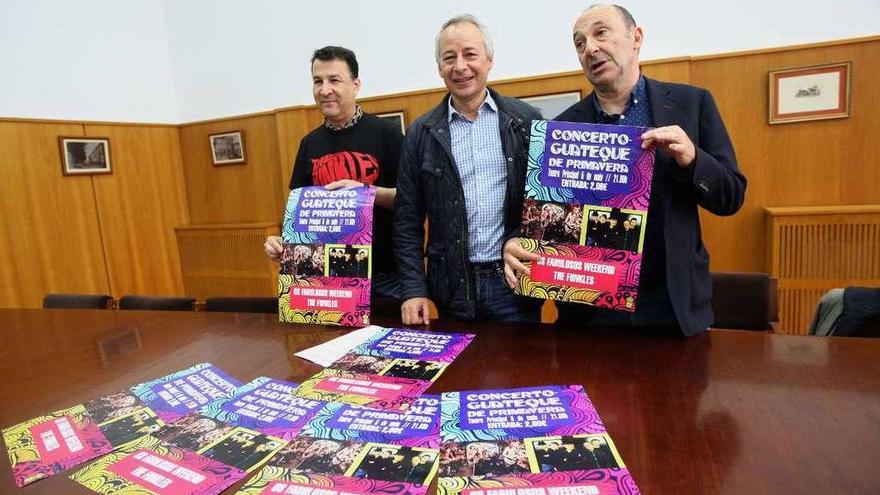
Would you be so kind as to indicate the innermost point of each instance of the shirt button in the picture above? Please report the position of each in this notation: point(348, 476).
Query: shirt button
point(622, 117)
point(635, 101)
point(510, 158)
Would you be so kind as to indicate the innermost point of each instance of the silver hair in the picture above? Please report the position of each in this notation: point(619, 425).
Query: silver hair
point(460, 19)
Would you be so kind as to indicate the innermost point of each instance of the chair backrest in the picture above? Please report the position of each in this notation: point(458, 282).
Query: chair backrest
point(242, 304)
point(77, 301)
point(744, 300)
point(157, 303)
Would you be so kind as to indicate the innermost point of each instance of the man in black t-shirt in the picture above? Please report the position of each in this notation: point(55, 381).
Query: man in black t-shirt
point(350, 149)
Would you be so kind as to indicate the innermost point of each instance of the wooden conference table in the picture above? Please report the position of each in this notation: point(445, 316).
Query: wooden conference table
point(727, 412)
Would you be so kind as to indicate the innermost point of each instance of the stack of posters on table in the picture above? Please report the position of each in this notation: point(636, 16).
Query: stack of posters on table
point(530, 441)
point(326, 263)
point(586, 210)
point(206, 451)
point(388, 371)
point(64, 439)
point(347, 449)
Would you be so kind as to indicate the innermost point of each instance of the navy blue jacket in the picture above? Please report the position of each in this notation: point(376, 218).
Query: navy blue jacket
point(428, 184)
point(714, 182)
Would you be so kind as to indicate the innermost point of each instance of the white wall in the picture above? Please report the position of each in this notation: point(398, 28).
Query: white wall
point(230, 57)
point(104, 60)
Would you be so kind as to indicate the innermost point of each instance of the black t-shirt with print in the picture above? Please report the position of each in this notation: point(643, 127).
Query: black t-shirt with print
point(369, 151)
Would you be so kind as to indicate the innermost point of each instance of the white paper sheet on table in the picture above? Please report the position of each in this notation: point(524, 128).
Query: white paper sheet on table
point(328, 352)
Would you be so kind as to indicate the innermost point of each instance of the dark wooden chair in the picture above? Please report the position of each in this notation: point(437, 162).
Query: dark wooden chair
point(242, 304)
point(77, 301)
point(744, 300)
point(157, 303)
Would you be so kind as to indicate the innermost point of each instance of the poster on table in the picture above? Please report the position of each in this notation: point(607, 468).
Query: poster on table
point(389, 371)
point(207, 450)
point(585, 212)
point(194, 455)
point(266, 405)
point(61, 440)
point(348, 449)
point(326, 264)
point(64, 439)
point(541, 440)
point(185, 391)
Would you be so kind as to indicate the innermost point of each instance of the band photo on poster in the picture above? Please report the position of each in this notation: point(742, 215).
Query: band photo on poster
point(348, 261)
point(615, 228)
point(552, 222)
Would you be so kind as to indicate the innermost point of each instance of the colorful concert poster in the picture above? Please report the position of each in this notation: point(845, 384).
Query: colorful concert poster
point(389, 371)
point(586, 209)
point(412, 344)
point(326, 265)
point(266, 405)
point(348, 449)
point(64, 439)
point(182, 392)
point(194, 455)
point(418, 426)
point(534, 439)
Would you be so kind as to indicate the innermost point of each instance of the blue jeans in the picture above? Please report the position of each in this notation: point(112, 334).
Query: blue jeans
point(496, 301)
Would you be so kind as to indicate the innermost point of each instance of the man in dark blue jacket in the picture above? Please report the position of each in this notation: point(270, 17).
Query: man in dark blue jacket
point(463, 166)
point(695, 167)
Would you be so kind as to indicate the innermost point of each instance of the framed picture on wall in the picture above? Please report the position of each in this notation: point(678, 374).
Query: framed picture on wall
point(398, 118)
point(810, 93)
point(552, 105)
point(227, 148)
point(84, 156)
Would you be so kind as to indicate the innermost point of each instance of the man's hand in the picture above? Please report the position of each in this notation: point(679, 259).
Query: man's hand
point(273, 248)
point(514, 255)
point(414, 311)
point(343, 183)
point(674, 141)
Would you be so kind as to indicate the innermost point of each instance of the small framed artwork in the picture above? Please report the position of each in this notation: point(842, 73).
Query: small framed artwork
point(810, 93)
point(398, 118)
point(552, 105)
point(84, 156)
point(227, 148)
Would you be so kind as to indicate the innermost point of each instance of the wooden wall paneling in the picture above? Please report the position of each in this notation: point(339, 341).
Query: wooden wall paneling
point(814, 249)
point(51, 241)
point(227, 260)
point(232, 193)
point(809, 163)
point(291, 126)
point(139, 205)
point(677, 70)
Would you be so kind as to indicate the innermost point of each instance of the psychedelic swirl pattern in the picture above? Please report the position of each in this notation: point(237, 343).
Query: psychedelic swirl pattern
point(422, 345)
point(263, 392)
point(635, 199)
point(623, 298)
point(320, 222)
point(220, 386)
point(606, 481)
point(360, 233)
point(270, 477)
point(579, 408)
point(360, 317)
point(419, 425)
point(24, 455)
point(620, 201)
point(308, 390)
point(99, 478)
